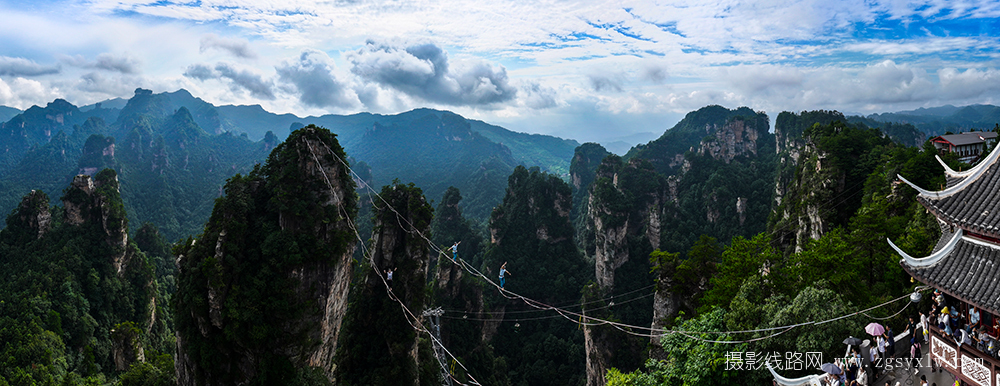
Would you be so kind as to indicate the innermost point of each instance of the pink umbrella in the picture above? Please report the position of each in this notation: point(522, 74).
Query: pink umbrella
point(874, 329)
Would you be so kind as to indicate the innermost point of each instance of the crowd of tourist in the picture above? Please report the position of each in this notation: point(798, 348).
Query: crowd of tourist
point(966, 327)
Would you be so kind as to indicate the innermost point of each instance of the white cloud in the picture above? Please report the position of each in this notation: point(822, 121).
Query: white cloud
point(22, 93)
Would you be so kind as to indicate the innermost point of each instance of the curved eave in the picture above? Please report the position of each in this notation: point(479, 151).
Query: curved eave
point(807, 380)
point(933, 258)
point(951, 173)
point(973, 175)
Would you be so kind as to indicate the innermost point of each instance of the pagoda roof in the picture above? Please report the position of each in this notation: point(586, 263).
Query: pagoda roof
point(965, 267)
point(969, 199)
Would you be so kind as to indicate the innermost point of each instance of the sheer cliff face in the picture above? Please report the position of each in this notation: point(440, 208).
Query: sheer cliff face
point(380, 344)
point(803, 180)
point(737, 137)
point(98, 201)
point(33, 214)
point(261, 295)
point(625, 199)
point(623, 216)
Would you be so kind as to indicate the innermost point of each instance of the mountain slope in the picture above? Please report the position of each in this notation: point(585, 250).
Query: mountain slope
point(7, 113)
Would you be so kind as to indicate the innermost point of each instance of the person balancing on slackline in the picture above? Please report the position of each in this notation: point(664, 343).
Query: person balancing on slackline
point(503, 270)
point(454, 251)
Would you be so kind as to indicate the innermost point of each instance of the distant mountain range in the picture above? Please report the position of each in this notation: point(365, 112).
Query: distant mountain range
point(174, 151)
point(939, 120)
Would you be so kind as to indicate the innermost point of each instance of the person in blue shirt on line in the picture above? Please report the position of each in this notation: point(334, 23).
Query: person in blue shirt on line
point(454, 251)
point(503, 270)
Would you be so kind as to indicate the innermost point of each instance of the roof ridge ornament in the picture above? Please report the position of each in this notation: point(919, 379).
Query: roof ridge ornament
point(934, 257)
point(973, 175)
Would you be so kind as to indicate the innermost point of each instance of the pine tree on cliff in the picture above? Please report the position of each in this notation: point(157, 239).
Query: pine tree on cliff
point(531, 231)
point(262, 292)
point(379, 345)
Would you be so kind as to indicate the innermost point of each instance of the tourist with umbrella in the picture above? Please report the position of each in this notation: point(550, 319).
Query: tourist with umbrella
point(836, 374)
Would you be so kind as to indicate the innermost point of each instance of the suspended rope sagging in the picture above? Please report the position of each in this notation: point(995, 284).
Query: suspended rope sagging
point(585, 320)
point(408, 315)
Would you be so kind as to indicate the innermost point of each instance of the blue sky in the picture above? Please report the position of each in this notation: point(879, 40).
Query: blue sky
point(588, 70)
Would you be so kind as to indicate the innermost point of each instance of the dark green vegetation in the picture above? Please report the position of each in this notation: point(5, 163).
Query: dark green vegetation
point(253, 289)
point(532, 234)
point(685, 232)
point(450, 226)
point(823, 255)
point(379, 344)
point(78, 301)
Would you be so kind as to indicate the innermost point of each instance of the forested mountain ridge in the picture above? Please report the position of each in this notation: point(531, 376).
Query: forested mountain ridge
point(666, 153)
point(79, 299)
point(170, 168)
point(174, 152)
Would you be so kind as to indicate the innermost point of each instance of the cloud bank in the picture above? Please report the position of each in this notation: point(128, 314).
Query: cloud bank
point(239, 79)
point(23, 67)
point(239, 48)
point(311, 75)
point(424, 71)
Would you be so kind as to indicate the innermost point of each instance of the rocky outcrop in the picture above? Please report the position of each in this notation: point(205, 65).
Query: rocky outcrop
point(802, 182)
point(598, 351)
point(381, 317)
point(126, 346)
point(33, 213)
point(612, 218)
point(666, 303)
point(281, 237)
point(734, 138)
point(741, 209)
point(612, 249)
point(625, 201)
point(98, 201)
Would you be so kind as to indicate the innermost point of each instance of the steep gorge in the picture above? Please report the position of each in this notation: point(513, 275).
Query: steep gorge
point(710, 174)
